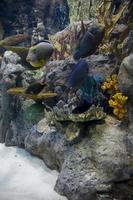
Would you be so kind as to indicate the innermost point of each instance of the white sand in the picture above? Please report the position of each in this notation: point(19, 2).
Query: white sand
point(24, 177)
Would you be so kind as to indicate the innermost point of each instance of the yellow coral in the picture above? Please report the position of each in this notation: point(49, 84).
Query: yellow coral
point(118, 102)
point(111, 84)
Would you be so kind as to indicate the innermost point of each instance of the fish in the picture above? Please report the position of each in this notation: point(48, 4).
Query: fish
point(39, 54)
point(35, 88)
point(78, 75)
point(88, 44)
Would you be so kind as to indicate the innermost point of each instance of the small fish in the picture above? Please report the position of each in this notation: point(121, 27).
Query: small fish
point(35, 88)
point(39, 54)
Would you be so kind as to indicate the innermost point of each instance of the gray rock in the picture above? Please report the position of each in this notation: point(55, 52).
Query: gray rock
point(17, 116)
point(50, 146)
point(128, 44)
point(125, 78)
point(10, 105)
point(97, 167)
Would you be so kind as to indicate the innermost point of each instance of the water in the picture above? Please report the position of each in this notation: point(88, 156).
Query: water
point(25, 177)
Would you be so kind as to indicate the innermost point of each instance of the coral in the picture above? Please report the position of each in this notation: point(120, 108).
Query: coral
point(116, 99)
point(64, 114)
point(111, 84)
point(109, 20)
point(118, 102)
point(21, 91)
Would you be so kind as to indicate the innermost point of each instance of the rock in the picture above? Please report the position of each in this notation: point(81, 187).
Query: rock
point(94, 164)
point(10, 64)
point(125, 79)
point(42, 126)
point(21, 116)
point(125, 76)
point(128, 44)
point(99, 64)
point(92, 114)
point(97, 167)
point(11, 70)
point(24, 16)
point(1, 31)
point(72, 132)
point(51, 147)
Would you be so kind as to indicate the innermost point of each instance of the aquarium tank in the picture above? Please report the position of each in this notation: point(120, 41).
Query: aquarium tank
point(66, 99)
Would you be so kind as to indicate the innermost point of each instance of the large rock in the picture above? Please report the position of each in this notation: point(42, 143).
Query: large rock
point(99, 166)
point(125, 78)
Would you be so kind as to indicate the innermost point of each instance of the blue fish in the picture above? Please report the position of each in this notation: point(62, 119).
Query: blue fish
point(78, 75)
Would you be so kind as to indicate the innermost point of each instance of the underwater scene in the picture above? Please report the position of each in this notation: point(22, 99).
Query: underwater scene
point(66, 99)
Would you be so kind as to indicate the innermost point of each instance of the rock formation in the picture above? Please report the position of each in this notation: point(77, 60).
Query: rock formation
point(24, 16)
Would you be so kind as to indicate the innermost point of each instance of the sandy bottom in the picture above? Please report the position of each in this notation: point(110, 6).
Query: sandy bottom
point(24, 177)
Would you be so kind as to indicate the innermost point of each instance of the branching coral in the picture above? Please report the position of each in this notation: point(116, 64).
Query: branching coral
point(111, 84)
point(118, 102)
point(109, 20)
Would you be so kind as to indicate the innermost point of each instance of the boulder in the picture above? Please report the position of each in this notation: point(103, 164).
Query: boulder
point(125, 78)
